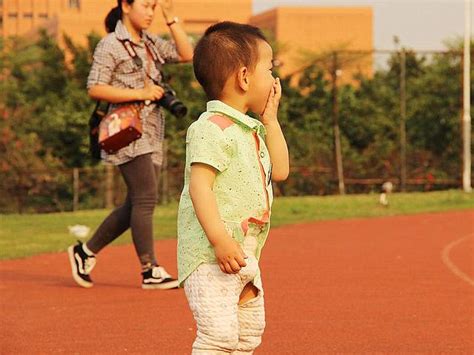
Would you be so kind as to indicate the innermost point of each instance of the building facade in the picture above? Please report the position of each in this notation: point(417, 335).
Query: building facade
point(77, 18)
point(300, 32)
point(304, 34)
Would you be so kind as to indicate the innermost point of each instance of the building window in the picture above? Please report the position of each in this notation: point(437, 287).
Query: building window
point(28, 15)
point(13, 15)
point(43, 15)
point(75, 4)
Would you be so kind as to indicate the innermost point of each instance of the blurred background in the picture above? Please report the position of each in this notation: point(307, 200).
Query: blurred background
point(373, 92)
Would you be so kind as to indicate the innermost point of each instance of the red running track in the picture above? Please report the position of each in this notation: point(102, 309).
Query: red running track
point(387, 285)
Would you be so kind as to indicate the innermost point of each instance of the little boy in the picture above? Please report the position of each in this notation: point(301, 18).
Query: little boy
point(224, 211)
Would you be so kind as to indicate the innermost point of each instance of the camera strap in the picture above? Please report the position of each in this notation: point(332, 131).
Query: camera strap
point(150, 52)
point(102, 107)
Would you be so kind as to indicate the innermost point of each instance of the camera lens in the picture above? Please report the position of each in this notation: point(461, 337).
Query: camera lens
point(178, 109)
point(172, 104)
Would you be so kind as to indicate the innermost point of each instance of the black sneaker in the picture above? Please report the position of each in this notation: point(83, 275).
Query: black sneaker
point(158, 278)
point(81, 265)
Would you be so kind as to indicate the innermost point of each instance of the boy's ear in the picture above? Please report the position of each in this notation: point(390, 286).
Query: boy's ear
point(243, 78)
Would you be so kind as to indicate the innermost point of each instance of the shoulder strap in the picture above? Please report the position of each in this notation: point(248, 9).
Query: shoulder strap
point(137, 60)
point(131, 52)
point(156, 55)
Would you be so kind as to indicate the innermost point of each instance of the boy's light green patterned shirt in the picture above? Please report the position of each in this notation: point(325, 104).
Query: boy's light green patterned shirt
point(233, 143)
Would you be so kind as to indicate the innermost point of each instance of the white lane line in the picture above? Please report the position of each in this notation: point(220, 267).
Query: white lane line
point(451, 266)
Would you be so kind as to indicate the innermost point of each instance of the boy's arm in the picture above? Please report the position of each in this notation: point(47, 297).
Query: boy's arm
point(230, 256)
point(275, 140)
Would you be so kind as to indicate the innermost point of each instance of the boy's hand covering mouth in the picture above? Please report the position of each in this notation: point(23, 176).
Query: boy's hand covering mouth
point(270, 111)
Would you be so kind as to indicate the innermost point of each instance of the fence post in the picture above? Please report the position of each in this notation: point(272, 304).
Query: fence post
point(109, 186)
point(75, 188)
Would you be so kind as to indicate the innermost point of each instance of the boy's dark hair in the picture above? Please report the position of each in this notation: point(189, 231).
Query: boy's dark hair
point(224, 48)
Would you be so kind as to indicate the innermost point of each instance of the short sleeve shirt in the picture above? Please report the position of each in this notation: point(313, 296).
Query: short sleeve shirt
point(113, 65)
point(232, 143)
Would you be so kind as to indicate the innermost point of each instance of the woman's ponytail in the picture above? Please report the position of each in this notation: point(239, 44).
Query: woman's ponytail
point(112, 18)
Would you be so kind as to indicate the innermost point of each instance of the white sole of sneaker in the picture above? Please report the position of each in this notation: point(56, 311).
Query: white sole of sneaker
point(166, 286)
point(75, 275)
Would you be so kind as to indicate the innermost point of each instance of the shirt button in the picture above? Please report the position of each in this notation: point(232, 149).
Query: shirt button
point(262, 154)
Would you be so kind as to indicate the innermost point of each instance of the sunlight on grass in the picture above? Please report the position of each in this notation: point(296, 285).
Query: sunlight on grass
point(26, 235)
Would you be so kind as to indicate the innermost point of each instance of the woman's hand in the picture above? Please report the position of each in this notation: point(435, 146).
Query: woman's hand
point(151, 92)
point(166, 9)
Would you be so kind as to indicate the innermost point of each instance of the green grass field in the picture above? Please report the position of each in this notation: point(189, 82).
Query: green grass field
point(26, 235)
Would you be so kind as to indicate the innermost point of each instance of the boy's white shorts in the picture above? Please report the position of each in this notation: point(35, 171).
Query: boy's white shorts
point(224, 326)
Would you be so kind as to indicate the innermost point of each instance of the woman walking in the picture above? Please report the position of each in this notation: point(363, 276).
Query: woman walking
point(118, 78)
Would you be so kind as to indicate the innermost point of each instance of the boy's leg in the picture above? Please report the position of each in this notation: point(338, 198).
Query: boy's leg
point(251, 311)
point(251, 315)
point(213, 297)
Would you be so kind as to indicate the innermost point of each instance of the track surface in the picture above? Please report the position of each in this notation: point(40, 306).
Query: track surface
point(388, 285)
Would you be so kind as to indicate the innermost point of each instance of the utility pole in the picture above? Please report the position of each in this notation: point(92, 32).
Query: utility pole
point(337, 135)
point(466, 119)
point(403, 117)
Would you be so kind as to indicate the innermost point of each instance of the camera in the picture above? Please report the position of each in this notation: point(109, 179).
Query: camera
point(170, 102)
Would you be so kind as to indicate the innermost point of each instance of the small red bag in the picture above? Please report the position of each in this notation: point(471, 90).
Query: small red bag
point(122, 126)
point(119, 128)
